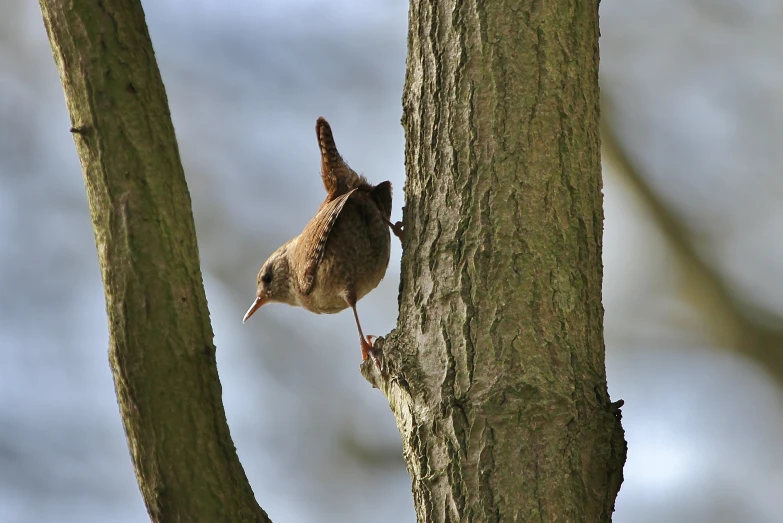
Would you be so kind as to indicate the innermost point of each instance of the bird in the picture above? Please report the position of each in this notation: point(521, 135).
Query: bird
point(342, 253)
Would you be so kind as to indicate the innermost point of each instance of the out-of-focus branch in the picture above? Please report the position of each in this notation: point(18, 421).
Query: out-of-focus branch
point(733, 325)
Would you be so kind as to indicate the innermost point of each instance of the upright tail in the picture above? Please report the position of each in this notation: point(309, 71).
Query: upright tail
point(338, 178)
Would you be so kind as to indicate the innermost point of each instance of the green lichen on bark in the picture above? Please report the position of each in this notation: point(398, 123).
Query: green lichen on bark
point(161, 349)
point(496, 369)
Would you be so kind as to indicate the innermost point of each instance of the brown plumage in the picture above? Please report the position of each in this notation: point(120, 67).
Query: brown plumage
point(342, 253)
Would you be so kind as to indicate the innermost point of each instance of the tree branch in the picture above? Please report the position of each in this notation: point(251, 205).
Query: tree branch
point(161, 349)
point(495, 372)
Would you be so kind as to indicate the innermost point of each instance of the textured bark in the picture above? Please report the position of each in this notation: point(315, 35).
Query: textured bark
point(161, 348)
point(496, 370)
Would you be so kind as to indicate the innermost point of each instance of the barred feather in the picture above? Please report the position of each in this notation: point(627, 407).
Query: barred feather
point(338, 178)
point(318, 229)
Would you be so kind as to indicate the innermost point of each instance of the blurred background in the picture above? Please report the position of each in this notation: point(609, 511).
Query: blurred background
point(693, 105)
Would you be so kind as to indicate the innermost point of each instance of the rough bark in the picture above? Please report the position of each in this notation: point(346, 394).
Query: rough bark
point(496, 370)
point(161, 349)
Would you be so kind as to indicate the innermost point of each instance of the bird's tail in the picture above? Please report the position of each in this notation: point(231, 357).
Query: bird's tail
point(338, 178)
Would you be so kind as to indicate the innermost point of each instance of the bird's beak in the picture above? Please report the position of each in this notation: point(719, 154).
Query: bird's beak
point(256, 305)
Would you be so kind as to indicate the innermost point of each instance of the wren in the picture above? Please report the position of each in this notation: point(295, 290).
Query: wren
point(342, 253)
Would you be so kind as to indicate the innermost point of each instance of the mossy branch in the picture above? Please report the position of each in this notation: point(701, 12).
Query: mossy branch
point(161, 349)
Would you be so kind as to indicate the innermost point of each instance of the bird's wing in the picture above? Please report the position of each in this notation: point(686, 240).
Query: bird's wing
point(338, 178)
point(315, 234)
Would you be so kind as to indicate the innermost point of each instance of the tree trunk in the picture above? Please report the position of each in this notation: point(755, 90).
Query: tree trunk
point(496, 370)
point(160, 348)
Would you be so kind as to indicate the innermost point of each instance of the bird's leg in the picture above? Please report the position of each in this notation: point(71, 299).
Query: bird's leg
point(368, 351)
point(397, 229)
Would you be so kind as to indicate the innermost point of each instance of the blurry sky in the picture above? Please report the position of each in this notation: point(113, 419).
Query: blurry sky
point(692, 88)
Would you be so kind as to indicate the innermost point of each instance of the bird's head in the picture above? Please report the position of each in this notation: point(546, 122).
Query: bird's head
point(274, 282)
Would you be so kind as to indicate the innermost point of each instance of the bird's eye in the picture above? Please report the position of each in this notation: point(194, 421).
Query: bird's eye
point(266, 278)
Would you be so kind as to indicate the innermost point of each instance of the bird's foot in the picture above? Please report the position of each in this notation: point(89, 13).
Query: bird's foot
point(369, 351)
point(398, 231)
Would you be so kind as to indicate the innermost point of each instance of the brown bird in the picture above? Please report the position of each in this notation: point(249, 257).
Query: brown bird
point(342, 254)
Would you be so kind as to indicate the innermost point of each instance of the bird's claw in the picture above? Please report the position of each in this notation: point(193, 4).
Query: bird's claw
point(398, 230)
point(370, 351)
